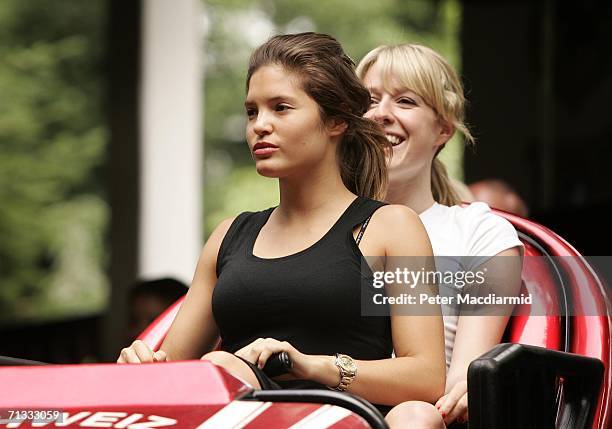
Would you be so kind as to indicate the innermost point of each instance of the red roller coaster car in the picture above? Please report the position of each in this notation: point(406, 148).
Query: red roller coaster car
point(554, 371)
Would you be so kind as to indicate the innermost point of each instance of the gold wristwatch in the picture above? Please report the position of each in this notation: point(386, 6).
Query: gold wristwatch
point(348, 371)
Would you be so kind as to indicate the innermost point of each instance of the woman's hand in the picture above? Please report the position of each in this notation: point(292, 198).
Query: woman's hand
point(454, 405)
point(260, 350)
point(139, 352)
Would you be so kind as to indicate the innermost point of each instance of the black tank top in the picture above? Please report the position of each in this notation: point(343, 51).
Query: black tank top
point(312, 298)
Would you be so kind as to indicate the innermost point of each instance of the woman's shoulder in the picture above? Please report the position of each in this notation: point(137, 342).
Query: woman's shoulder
point(475, 208)
point(471, 230)
point(236, 222)
point(479, 216)
point(400, 231)
point(236, 225)
point(395, 214)
point(469, 216)
point(460, 213)
point(392, 220)
point(485, 232)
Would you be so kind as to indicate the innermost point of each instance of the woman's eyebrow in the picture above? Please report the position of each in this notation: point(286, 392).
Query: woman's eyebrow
point(273, 99)
point(408, 93)
point(282, 97)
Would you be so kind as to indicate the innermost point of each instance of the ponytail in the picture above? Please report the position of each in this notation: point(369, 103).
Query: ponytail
point(441, 186)
point(363, 164)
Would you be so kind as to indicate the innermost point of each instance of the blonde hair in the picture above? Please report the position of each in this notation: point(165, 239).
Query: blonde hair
point(428, 74)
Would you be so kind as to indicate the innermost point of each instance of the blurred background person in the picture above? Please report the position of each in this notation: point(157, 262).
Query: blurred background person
point(498, 194)
point(148, 299)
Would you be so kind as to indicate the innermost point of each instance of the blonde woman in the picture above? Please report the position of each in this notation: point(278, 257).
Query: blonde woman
point(418, 99)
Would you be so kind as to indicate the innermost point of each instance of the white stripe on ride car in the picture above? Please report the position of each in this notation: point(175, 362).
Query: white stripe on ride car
point(322, 418)
point(236, 415)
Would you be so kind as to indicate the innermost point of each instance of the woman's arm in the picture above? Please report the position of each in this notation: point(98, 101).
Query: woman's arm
point(418, 371)
point(193, 331)
point(478, 334)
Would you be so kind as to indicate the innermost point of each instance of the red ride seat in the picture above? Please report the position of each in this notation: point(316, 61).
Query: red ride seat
point(539, 280)
point(562, 279)
point(577, 312)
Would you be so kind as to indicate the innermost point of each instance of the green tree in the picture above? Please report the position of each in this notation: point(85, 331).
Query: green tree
point(52, 152)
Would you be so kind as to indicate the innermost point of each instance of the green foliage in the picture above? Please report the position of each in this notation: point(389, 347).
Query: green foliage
point(236, 27)
point(52, 147)
point(244, 190)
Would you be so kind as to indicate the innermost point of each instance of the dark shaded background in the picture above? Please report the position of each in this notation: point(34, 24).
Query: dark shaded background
point(539, 79)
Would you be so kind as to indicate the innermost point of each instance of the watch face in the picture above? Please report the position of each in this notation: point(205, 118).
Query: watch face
point(347, 363)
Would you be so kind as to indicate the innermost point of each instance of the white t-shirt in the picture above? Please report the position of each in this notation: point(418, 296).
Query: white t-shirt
point(472, 231)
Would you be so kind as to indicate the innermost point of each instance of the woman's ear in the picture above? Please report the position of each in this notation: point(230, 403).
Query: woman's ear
point(447, 129)
point(335, 127)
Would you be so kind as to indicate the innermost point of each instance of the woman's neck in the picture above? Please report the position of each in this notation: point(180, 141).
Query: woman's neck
point(321, 191)
point(415, 194)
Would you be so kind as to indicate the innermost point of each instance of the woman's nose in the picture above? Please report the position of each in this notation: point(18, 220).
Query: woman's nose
point(262, 125)
point(382, 113)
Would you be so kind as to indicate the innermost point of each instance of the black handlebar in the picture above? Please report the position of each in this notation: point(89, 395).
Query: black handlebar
point(278, 364)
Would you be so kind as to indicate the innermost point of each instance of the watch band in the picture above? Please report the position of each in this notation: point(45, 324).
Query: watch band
point(348, 371)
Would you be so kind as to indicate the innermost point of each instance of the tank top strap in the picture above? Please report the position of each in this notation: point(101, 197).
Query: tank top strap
point(242, 232)
point(360, 210)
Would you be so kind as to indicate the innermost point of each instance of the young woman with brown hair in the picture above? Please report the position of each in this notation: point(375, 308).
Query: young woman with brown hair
point(288, 278)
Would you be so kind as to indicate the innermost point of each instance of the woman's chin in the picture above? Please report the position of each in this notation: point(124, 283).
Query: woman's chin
point(267, 171)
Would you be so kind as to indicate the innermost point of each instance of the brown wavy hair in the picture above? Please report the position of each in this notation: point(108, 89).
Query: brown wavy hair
point(327, 75)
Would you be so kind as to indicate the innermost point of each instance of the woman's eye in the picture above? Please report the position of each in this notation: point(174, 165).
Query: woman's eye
point(407, 101)
point(251, 112)
point(282, 107)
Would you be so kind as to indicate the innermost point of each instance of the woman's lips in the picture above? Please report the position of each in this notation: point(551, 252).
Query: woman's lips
point(264, 148)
